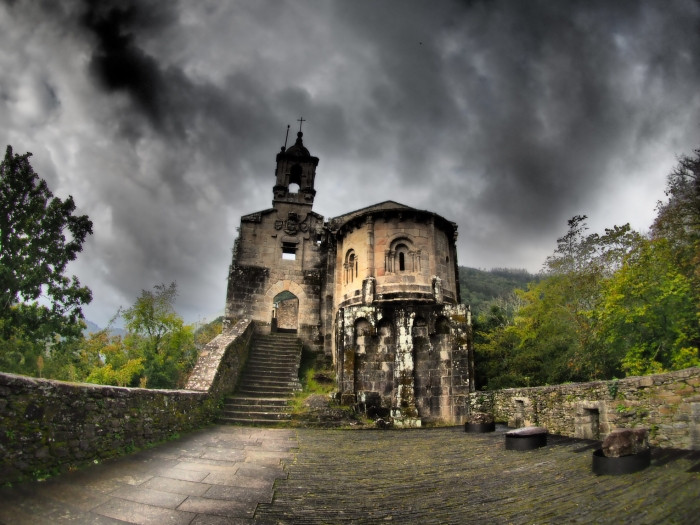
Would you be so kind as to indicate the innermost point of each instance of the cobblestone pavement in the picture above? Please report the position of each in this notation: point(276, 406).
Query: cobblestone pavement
point(447, 476)
point(254, 475)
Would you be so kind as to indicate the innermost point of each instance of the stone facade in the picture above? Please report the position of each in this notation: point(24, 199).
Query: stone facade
point(666, 404)
point(278, 251)
point(376, 289)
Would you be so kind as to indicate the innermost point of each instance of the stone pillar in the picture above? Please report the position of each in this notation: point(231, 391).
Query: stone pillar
point(437, 289)
point(404, 411)
point(432, 250)
point(368, 290)
point(370, 247)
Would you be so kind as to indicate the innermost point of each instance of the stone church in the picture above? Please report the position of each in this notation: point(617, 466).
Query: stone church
point(376, 289)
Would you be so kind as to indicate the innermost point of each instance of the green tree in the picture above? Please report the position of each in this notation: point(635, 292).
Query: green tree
point(649, 315)
point(158, 334)
point(496, 343)
point(158, 350)
point(552, 336)
point(207, 332)
point(558, 325)
point(678, 219)
point(40, 307)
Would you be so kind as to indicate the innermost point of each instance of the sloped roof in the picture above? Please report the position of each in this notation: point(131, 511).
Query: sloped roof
point(386, 205)
point(337, 222)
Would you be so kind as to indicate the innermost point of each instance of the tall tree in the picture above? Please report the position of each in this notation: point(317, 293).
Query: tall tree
point(678, 219)
point(163, 340)
point(39, 236)
point(649, 315)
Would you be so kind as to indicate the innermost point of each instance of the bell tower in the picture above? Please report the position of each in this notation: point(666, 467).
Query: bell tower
point(295, 173)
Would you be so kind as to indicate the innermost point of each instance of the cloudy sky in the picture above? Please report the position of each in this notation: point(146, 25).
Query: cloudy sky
point(163, 119)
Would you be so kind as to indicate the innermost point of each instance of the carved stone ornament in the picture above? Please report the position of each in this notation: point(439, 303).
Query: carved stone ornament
point(291, 226)
point(278, 224)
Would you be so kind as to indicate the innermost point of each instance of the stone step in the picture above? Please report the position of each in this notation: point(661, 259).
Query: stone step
point(253, 401)
point(273, 380)
point(274, 345)
point(250, 421)
point(271, 367)
point(277, 336)
point(266, 392)
point(279, 362)
point(257, 414)
point(261, 350)
point(261, 378)
point(268, 382)
point(232, 410)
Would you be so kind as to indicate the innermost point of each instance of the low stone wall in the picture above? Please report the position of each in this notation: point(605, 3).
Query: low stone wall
point(221, 361)
point(667, 404)
point(48, 426)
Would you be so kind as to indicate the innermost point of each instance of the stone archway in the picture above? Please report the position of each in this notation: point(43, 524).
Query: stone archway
point(289, 296)
point(286, 312)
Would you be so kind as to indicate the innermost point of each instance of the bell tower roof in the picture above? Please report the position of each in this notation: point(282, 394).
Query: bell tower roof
point(298, 149)
point(295, 174)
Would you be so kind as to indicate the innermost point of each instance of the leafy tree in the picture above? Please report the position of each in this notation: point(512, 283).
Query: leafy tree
point(495, 343)
point(158, 350)
point(552, 335)
point(610, 304)
point(649, 315)
point(678, 219)
point(558, 324)
point(207, 332)
point(40, 308)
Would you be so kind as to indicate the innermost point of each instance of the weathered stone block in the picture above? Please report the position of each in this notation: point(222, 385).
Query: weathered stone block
point(625, 442)
point(480, 417)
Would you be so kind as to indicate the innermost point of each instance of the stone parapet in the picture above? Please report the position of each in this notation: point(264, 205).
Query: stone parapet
point(48, 426)
point(666, 404)
point(229, 349)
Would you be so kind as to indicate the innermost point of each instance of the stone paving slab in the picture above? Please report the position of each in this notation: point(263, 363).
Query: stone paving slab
point(214, 476)
point(359, 476)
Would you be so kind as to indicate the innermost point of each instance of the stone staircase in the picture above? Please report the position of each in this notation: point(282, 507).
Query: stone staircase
point(269, 380)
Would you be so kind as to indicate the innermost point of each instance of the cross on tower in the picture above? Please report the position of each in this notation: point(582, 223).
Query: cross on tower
point(301, 121)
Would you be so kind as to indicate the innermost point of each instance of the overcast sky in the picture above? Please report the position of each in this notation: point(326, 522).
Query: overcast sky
point(163, 120)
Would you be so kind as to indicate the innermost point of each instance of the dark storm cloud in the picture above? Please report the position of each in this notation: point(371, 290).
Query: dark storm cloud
point(508, 118)
point(118, 62)
point(550, 92)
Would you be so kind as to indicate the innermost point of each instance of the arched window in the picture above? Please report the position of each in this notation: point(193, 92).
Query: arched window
point(402, 257)
point(295, 175)
point(350, 266)
point(294, 179)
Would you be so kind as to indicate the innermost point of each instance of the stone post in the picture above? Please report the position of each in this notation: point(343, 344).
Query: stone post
point(404, 411)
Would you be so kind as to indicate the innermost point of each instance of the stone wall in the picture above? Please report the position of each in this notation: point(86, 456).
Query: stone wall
point(48, 426)
point(667, 404)
point(220, 362)
point(412, 358)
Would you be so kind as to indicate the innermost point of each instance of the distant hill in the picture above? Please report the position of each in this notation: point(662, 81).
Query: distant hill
point(93, 327)
point(478, 287)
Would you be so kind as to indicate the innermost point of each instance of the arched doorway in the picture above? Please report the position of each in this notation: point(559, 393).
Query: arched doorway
point(285, 313)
